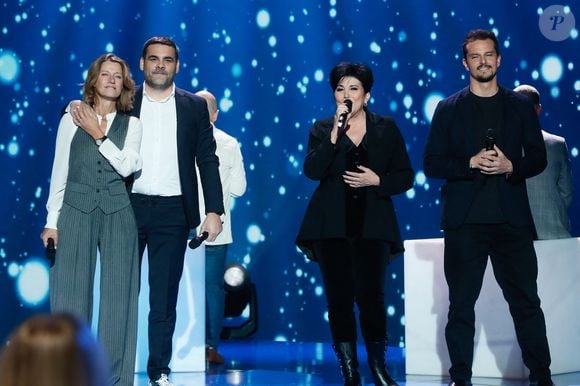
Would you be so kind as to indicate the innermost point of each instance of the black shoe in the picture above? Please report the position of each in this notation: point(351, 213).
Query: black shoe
point(545, 382)
point(376, 352)
point(347, 358)
point(460, 383)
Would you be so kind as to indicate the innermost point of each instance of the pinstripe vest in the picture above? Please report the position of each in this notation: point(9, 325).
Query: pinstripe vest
point(92, 182)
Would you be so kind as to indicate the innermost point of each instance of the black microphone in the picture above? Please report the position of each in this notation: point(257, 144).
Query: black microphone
point(197, 240)
point(50, 251)
point(342, 118)
point(348, 104)
point(489, 139)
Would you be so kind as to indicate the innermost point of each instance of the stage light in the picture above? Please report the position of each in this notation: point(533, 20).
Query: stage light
point(235, 277)
point(241, 304)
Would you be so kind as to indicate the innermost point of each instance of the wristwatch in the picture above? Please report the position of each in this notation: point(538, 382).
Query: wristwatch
point(99, 141)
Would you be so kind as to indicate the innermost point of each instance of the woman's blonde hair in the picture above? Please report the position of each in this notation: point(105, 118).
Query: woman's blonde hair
point(125, 100)
point(53, 350)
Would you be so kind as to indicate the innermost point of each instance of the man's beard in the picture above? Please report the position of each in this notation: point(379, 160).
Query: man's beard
point(156, 84)
point(483, 78)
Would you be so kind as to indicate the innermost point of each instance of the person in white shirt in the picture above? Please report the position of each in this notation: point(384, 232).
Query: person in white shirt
point(233, 180)
point(97, 147)
point(177, 137)
point(177, 146)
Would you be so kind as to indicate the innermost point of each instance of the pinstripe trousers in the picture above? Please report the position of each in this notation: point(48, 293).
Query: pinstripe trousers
point(72, 278)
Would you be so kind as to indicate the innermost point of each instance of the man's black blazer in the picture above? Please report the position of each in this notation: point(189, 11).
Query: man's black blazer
point(195, 143)
point(454, 138)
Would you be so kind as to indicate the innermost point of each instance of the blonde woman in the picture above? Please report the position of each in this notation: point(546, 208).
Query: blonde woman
point(97, 148)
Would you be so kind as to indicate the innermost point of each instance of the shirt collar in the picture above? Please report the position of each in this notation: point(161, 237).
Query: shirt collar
point(167, 98)
point(109, 115)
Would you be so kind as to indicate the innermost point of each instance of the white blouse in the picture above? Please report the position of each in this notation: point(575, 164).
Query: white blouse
point(125, 161)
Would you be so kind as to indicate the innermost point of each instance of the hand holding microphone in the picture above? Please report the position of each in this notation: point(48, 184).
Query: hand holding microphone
point(489, 139)
point(491, 160)
point(50, 251)
point(342, 118)
point(197, 240)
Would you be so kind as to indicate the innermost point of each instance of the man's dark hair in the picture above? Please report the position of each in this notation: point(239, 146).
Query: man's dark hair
point(360, 71)
point(160, 40)
point(480, 34)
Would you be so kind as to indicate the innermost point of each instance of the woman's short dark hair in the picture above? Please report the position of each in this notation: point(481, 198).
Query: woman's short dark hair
point(360, 71)
point(480, 34)
point(160, 40)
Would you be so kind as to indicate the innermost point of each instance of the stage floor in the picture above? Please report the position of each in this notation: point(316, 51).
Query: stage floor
point(259, 363)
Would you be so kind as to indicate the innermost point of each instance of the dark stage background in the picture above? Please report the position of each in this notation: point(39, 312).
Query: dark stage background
point(267, 62)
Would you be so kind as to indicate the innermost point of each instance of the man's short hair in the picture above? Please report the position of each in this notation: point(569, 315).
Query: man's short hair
point(479, 34)
point(160, 40)
point(530, 92)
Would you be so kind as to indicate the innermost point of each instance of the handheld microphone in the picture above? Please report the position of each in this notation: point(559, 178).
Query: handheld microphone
point(197, 240)
point(342, 117)
point(348, 104)
point(489, 139)
point(50, 251)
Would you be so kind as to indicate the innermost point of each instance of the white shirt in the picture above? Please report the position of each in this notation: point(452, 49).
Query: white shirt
point(160, 173)
point(125, 161)
point(233, 180)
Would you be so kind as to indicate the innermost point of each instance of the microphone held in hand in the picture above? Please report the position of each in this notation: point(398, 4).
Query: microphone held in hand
point(197, 240)
point(489, 139)
point(342, 118)
point(348, 104)
point(50, 251)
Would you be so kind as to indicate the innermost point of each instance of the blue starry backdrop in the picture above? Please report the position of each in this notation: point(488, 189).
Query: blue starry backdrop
point(267, 62)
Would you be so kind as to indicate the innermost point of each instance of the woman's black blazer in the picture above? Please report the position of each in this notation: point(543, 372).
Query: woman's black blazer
point(325, 215)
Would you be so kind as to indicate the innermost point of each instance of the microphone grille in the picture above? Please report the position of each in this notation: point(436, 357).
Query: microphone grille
point(348, 104)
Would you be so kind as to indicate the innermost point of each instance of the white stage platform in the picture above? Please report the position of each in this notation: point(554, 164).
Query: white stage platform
point(497, 353)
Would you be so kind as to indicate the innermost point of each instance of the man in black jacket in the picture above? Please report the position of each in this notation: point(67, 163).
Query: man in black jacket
point(485, 141)
point(176, 135)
